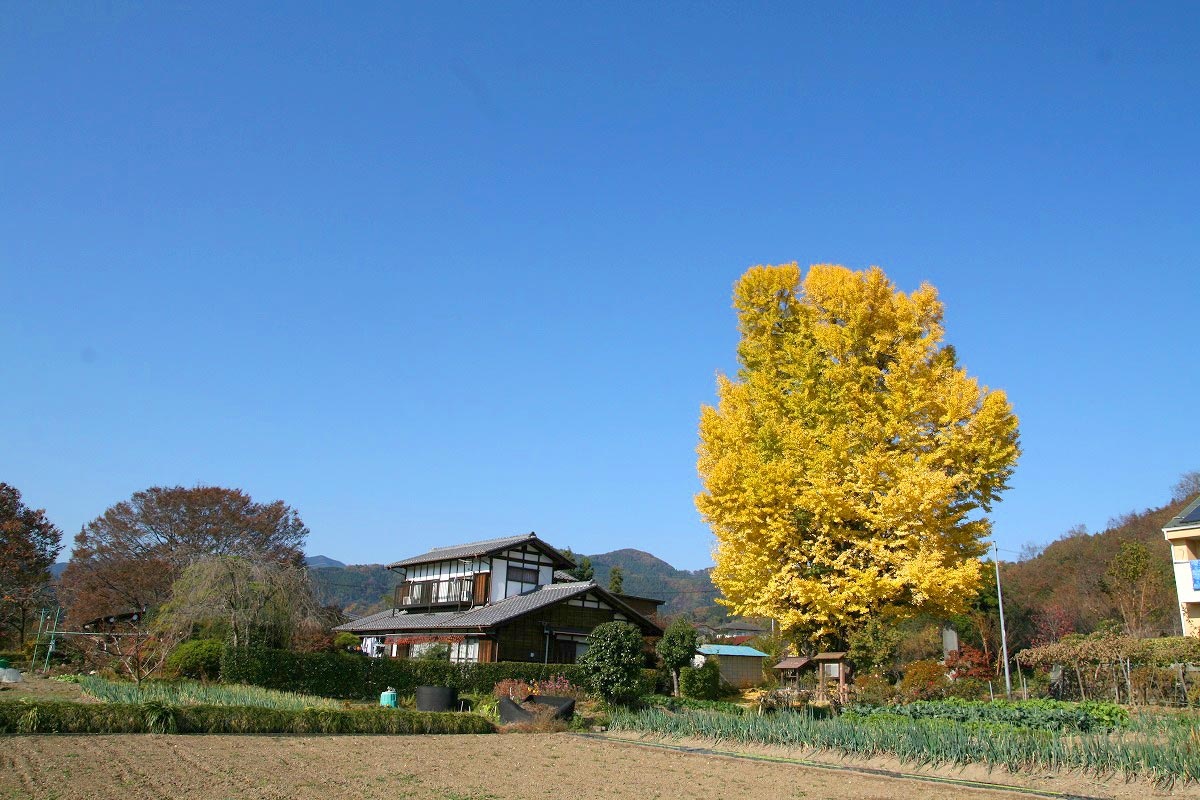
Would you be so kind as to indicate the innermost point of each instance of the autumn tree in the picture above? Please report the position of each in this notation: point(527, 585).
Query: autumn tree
point(29, 543)
point(1187, 487)
point(847, 467)
point(129, 557)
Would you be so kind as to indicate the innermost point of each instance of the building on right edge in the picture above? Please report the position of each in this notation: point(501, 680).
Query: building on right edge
point(1183, 532)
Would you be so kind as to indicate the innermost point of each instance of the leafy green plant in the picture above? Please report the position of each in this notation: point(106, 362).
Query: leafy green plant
point(1045, 715)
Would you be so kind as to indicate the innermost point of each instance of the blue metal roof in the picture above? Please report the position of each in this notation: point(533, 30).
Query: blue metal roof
point(730, 650)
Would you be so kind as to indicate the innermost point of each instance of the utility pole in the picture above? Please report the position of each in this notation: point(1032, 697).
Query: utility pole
point(1003, 630)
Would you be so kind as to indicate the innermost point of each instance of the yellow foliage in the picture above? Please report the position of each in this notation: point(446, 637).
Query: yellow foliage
point(846, 469)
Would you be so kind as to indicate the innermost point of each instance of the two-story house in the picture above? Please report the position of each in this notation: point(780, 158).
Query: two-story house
point(1183, 532)
point(497, 600)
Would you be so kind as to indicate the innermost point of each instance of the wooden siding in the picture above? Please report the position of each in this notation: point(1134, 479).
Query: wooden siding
point(526, 636)
point(647, 608)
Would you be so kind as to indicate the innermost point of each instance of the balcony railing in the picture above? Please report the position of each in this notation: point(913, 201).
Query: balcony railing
point(457, 592)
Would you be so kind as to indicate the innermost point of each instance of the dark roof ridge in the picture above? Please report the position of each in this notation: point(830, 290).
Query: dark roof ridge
point(481, 548)
point(494, 540)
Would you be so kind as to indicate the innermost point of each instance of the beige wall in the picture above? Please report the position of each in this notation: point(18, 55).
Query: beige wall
point(1185, 548)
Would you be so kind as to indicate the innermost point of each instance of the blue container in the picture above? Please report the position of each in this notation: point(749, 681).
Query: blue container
point(388, 699)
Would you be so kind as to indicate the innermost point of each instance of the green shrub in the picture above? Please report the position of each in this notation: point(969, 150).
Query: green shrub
point(968, 689)
point(701, 683)
point(612, 665)
point(156, 717)
point(199, 659)
point(351, 676)
point(346, 641)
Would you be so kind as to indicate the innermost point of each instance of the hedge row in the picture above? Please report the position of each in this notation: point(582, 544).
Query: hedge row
point(356, 677)
point(64, 717)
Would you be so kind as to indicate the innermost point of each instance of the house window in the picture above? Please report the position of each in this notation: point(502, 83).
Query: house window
point(418, 649)
point(521, 580)
point(465, 652)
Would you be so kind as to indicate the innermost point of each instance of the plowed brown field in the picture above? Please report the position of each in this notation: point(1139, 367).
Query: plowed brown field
point(445, 767)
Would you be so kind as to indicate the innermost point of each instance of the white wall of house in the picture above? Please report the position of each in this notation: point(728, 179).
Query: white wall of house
point(499, 579)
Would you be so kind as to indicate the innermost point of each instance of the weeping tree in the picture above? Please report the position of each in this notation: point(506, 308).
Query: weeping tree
point(247, 602)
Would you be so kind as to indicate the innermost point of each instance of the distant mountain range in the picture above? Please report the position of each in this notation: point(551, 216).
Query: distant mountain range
point(316, 562)
point(361, 589)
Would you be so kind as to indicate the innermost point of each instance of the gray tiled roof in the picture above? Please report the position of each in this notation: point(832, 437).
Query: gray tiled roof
point(487, 616)
point(473, 549)
point(481, 617)
point(398, 621)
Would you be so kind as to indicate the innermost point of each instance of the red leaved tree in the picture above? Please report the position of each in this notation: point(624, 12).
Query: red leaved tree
point(29, 544)
point(127, 558)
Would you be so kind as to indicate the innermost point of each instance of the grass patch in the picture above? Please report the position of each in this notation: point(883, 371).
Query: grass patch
point(180, 693)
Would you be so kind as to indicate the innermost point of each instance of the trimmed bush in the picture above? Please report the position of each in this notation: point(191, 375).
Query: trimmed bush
point(154, 717)
point(199, 659)
point(349, 676)
point(612, 665)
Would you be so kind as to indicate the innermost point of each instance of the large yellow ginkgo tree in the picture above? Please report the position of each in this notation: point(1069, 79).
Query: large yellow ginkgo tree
point(848, 468)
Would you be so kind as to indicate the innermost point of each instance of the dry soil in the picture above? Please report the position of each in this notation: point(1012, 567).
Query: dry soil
point(446, 767)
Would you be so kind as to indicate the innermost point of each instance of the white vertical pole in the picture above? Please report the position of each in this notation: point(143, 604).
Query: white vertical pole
point(1003, 630)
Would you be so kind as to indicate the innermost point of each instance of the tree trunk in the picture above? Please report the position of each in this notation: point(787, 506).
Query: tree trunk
point(675, 681)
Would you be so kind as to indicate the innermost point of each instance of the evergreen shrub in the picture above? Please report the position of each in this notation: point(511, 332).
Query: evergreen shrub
point(199, 659)
point(701, 683)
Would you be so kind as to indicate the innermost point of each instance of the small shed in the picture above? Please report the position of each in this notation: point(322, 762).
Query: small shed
point(789, 670)
point(831, 667)
point(740, 665)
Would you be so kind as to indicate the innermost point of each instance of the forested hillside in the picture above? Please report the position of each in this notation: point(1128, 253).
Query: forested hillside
point(1120, 576)
point(689, 592)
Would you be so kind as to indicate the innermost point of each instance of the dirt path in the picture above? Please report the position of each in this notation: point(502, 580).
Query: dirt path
point(510, 767)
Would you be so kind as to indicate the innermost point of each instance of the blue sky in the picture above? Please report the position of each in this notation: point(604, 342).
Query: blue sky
point(432, 273)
